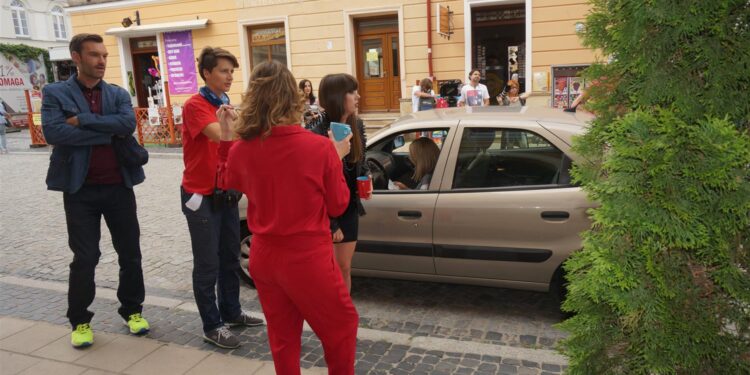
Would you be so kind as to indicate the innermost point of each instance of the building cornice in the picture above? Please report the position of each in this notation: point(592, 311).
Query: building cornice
point(110, 5)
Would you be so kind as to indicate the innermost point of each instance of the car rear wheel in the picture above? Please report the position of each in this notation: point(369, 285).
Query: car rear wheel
point(246, 238)
point(559, 289)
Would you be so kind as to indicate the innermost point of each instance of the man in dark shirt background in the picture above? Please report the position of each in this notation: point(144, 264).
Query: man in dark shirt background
point(79, 117)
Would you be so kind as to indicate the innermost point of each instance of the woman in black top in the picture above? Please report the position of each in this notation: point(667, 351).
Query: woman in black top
point(338, 95)
point(307, 92)
point(311, 104)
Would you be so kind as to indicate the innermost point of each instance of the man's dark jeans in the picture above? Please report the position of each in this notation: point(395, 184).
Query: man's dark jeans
point(215, 237)
point(83, 212)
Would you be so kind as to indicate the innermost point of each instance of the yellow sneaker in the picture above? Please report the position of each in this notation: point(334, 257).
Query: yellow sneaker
point(137, 325)
point(82, 336)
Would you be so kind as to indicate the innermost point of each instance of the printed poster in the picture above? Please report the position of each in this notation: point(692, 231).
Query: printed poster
point(181, 70)
point(16, 76)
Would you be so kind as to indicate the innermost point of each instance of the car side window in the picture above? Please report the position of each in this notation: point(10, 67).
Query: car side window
point(405, 160)
point(489, 158)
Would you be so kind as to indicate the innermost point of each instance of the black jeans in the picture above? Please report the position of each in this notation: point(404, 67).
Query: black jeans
point(83, 212)
point(215, 238)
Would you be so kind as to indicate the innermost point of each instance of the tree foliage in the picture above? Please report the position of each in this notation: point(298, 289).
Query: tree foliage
point(662, 285)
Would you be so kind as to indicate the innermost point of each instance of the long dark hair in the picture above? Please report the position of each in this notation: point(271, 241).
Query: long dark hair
point(332, 91)
point(308, 99)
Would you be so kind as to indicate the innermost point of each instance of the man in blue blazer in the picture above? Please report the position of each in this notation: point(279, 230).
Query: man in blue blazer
point(79, 118)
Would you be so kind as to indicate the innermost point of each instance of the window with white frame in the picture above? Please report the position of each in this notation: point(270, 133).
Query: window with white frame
point(58, 18)
point(20, 22)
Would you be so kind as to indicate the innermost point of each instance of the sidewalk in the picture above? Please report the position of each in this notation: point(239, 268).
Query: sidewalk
point(29, 347)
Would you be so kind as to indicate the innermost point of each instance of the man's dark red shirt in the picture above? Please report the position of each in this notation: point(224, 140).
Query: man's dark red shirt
point(103, 166)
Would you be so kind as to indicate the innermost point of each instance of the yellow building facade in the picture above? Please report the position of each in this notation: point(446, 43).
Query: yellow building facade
point(389, 45)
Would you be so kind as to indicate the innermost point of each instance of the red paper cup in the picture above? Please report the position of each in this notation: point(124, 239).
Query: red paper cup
point(364, 185)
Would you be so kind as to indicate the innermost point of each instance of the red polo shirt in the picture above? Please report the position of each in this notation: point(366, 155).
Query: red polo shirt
point(199, 153)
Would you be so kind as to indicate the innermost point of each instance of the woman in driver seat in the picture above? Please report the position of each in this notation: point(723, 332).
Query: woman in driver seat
point(423, 152)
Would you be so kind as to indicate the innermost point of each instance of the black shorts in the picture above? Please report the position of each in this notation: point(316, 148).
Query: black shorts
point(349, 222)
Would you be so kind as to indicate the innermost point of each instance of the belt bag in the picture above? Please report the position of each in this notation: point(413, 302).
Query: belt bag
point(222, 199)
point(129, 153)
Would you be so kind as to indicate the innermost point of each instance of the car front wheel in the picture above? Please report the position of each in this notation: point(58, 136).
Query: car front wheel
point(247, 237)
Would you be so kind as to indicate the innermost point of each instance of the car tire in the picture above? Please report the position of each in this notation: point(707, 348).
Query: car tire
point(246, 238)
point(559, 290)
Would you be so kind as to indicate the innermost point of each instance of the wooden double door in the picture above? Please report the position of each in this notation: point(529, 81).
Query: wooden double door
point(378, 68)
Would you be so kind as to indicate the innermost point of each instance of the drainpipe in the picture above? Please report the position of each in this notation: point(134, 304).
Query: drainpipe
point(429, 38)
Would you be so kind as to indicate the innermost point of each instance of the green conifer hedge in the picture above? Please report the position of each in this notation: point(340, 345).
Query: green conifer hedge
point(662, 285)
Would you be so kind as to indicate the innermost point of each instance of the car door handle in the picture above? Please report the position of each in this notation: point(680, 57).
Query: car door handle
point(410, 214)
point(555, 215)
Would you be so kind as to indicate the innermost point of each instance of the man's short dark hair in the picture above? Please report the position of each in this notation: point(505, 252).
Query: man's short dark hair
point(210, 56)
point(76, 44)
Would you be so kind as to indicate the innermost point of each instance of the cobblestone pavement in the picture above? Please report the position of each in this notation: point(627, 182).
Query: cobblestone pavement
point(34, 246)
point(183, 328)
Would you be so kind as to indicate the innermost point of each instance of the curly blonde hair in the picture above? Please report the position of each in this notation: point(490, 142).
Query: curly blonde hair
point(272, 98)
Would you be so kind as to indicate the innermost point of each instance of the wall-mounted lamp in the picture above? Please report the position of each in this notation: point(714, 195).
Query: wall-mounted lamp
point(580, 27)
point(126, 22)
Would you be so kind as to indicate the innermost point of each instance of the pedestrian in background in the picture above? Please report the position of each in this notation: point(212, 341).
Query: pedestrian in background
point(307, 92)
point(4, 122)
point(338, 95)
point(474, 94)
point(422, 96)
point(84, 166)
point(311, 103)
point(293, 181)
point(212, 214)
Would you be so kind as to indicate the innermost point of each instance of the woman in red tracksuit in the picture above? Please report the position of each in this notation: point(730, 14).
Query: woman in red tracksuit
point(293, 181)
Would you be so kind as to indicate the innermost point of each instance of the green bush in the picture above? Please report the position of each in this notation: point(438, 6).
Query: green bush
point(661, 285)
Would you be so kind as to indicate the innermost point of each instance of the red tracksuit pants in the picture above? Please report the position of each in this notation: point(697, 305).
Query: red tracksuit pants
point(299, 283)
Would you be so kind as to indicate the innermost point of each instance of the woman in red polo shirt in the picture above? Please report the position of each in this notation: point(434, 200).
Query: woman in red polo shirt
point(293, 181)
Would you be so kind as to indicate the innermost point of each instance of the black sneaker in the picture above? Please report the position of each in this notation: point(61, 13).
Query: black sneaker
point(222, 337)
point(245, 320)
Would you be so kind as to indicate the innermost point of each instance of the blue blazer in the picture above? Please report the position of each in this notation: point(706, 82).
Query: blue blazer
point(69, 162)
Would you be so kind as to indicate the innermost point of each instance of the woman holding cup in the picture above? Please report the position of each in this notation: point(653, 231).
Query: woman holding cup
point(338, 95)
point(293, 181)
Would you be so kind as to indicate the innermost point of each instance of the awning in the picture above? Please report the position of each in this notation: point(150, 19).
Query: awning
point(156, 28)
point(61, 53)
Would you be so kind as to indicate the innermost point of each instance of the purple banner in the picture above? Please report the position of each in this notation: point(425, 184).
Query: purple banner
point(180, 62)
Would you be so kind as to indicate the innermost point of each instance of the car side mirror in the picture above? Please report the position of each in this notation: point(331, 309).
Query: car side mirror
point(398, 142)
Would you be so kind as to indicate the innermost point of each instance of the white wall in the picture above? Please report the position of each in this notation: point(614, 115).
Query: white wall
point(39, 20)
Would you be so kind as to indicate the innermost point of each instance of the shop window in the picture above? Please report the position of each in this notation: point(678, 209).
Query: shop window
point(58, 20)
point(267, 43)
point(568, 84)
point(20, 21)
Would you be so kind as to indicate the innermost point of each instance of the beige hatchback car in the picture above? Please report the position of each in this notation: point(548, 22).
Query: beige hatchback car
point(499, 209)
